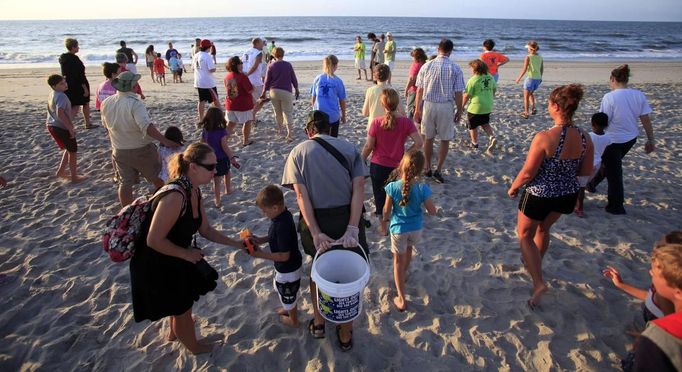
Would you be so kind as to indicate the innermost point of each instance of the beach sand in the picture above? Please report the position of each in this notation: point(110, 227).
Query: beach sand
point(66, 306)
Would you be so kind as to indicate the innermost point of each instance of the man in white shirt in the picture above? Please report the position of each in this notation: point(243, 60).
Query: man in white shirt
point(204, 67)
point(254, 63)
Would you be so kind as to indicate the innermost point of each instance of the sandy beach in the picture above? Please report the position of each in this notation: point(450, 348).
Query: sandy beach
point(66, 306)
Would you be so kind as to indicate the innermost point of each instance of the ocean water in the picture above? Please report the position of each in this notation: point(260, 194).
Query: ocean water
point(30, 43)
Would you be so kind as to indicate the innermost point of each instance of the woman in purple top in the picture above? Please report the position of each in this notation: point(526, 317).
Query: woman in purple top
point(386, 142)
point(279, 80)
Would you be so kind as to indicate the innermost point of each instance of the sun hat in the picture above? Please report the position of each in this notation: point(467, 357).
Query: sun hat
point(388, 34)
point(125, 81)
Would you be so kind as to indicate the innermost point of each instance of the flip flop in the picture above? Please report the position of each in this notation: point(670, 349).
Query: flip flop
point(534, 112)
point(345, 346)
point(316, 331)
point(524, 115)
point(246, 144)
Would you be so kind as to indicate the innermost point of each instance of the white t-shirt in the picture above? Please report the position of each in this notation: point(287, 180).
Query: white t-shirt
point(256, 78)
point(624, 107)
point(599, 142)
point(203, 64)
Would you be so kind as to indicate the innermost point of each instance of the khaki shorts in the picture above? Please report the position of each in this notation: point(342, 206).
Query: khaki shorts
point(239, 117)
point(400, 242)
point(131, 163)
point(438, 120)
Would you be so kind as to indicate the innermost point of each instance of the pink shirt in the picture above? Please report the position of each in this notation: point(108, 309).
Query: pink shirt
point(412, 73)
point(104, 90)
point(389, 145)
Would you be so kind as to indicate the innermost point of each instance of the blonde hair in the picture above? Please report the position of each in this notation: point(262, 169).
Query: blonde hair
point(194, 153)
point(70, 43)
point(329, 63)
point(668, 257)
point(411, 167)
point(390, 100)
point(278, 52)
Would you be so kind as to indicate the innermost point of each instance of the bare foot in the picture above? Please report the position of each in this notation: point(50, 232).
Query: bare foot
point(286, 320)
point(63, 175)
point(399, 304)
point(534, 300)
point(281, 311)
point(78, 178)
point(228, 191)
point(204, 347)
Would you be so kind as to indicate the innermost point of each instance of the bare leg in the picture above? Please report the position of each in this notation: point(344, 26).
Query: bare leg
point(86, 115)
point(408, 260)
point(313, 296)
point(488, 130)
point(541, 238)
point(531, 255)
point(246, 132)
point(125, 195)
point(61, 171)
point(399, 279)
point(230, 127)
point(216, 190)
point(580, 201)
point(200, 110)
point(526, 94)
point(442, 153)
point(184, 330)
point(531, 98)
point(346, 332)
point(228, 183)
point(73, 165)
point(428, 153)
point(473, 134)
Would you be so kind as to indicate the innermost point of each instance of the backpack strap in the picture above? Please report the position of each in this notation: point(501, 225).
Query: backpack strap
point(171, 187)
point(335, 153)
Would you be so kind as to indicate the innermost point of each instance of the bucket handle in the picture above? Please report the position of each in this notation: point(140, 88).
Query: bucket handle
point(333, 244)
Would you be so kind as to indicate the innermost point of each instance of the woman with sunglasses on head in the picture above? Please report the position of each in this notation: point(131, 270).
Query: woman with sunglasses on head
point(167, 273)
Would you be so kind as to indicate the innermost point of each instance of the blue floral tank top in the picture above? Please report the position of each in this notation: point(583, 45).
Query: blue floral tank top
point(558, 177)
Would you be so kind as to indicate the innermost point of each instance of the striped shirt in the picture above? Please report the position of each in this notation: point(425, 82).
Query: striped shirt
point(440, 79)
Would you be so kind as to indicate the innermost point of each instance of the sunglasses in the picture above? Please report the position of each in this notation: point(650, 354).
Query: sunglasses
point(208, 167)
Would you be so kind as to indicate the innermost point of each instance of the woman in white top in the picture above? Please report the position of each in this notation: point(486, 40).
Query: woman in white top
point(624, 106)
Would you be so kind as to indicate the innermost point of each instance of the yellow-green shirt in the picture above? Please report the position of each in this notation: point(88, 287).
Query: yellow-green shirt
point(480, 89)
point(359, 49)
point(534, 66)
point(389, 51)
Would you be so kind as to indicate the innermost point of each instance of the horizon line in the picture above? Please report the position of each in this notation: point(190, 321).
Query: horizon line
point(332, 16)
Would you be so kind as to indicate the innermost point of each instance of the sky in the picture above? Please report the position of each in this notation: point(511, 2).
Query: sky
point(608, 10)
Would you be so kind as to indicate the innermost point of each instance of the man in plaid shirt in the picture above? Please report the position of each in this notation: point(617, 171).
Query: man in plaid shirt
point(439, 82)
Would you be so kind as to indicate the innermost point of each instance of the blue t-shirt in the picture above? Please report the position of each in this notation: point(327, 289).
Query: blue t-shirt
point(410, 217)
point(174, 63)
point(282, 237)
point(328, 90)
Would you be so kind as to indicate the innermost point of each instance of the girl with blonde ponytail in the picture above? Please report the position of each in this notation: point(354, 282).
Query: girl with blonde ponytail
point(386, 140)
point(404, 198)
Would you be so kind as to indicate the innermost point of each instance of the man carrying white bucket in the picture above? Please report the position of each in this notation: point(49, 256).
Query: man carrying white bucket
point(328, 176)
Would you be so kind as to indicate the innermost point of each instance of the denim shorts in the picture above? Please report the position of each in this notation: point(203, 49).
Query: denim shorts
point(531, 84)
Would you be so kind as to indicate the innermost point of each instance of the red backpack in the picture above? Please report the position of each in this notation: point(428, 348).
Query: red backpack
point(123, 230)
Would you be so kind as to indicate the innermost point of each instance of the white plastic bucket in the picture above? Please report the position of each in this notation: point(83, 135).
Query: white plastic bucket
point(341, 275)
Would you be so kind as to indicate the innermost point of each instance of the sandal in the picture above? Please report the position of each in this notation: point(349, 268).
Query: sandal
point(524, 115)
point(316, 331)
point(534, 112)
point(345, 346)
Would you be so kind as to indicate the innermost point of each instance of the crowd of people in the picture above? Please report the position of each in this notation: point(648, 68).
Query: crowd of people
point(327, 173)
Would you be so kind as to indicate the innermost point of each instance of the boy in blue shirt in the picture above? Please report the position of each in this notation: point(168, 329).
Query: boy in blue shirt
point(283, 242)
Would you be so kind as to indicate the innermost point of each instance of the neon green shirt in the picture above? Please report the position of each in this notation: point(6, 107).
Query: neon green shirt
point(359, 49)
point(480, 90)
point(534, 66)
point(389, 51)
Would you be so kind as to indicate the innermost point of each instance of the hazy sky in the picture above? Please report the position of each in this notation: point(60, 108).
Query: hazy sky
point(611, 10)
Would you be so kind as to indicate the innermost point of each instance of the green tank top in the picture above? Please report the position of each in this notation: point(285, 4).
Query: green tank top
point(534, 64)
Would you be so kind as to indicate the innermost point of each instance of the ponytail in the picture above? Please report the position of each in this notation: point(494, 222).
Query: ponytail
point(410, 168)
point(179, 163)
point(390, 100)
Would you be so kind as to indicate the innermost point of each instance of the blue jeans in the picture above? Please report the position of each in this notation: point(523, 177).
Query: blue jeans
point(612, 162)
point(379, 175)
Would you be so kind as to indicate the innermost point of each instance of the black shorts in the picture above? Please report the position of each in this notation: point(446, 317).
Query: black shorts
point(334, 128)
point(63, 138)
point(333, 222)
point(222, 167)
point(208, 94)
point(538, 208)
point(476, 120)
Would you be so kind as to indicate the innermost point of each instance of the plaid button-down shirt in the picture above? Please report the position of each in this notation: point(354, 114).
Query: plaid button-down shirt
point(440, 79)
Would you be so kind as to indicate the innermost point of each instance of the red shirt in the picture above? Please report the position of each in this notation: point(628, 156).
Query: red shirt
point(493, 59)
point(414, 71)
point(389, 145)
point(159, 66)
point(242, 101)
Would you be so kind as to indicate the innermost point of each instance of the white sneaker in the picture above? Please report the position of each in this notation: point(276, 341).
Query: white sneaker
point(492, 144)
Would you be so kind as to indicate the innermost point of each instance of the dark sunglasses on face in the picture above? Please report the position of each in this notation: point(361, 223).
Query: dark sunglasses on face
point(208, 167)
